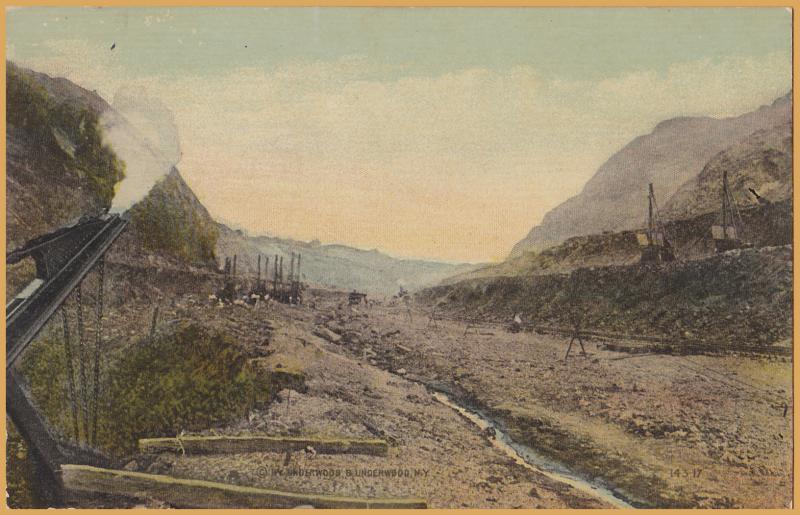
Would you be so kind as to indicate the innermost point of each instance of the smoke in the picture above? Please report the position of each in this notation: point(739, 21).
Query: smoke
point(142, 132)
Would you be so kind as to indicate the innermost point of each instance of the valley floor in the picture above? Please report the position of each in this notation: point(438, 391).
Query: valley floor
point(667, 431)
point(434, 453)
point(658, 430)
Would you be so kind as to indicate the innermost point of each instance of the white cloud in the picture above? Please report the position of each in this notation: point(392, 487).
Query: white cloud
point(457, 166)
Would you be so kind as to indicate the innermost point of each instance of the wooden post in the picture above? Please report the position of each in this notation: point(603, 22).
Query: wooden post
point(97, 344)
point(70, 373)
point(234, 266)
point(198, 493)
point(153, 325)
point(433, 318)
point(275, 279)
point(280, 286)
point(83, 357)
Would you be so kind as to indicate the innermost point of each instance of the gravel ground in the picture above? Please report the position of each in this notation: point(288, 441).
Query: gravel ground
point(695, 431)
point(435, 453)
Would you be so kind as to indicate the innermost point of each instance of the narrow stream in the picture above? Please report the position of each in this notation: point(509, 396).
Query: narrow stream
point(529, 458)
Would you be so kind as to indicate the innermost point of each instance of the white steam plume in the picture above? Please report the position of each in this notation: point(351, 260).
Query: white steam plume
point(142, 132)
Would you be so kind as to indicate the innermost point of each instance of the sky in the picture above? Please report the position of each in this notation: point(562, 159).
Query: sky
point(437, 133)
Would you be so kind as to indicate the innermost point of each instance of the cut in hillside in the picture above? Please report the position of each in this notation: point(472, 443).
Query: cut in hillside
point(668, 157)
point(61, 167)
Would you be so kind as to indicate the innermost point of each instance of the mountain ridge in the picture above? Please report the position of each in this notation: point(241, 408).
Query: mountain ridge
point(671, 154)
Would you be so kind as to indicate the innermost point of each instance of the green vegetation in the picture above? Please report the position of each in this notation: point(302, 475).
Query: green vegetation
point(20, 472)
point(62, 129)
point(169, 220)
point(190, 379)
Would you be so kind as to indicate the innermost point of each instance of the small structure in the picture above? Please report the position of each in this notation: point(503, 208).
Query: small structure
point(286, 289)
point(355, 298)
point(654, 244)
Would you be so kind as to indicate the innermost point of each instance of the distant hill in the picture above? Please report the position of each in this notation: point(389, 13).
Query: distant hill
point(336, 266)
point(672, 154)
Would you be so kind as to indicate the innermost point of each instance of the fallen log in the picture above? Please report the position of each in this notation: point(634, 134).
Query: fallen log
point(241, 444)
point(195, 493)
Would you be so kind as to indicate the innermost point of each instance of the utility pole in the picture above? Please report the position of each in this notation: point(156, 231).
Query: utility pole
point(281, 280)
point(650, 222)
point(297, 281)
point(725, 205)
point(275, 279)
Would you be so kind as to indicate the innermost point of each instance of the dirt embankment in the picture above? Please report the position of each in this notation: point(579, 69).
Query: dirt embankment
point(738, 298)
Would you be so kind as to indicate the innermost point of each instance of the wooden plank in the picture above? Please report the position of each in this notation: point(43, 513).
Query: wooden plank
point(240, 444)
point(195, 493)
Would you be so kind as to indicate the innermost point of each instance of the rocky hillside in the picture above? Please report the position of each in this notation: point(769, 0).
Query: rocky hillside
point(57, 166)
point(670, 156)
point(336, 266)
point(740, 297)
point(762, 161)
point(61, 165)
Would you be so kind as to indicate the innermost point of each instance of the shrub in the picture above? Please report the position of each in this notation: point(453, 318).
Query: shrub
point(190, 379)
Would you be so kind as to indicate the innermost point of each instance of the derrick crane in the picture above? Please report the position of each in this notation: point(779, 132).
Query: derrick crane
point(654, 244)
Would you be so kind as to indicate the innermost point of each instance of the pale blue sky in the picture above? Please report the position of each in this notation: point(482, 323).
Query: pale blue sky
point(569, 43)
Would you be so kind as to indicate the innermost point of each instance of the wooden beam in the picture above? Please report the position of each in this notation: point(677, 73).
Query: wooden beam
point(241, 444)
point(195, 493)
